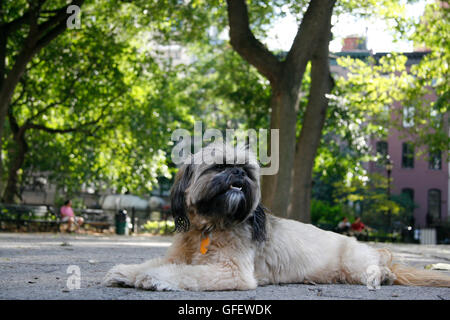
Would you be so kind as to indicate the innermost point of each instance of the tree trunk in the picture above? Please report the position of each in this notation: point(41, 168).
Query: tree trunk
point(311, 132)
point(283, 118)
point(269, 183)
point(3, 40)
point(6, 94)
point(10, 84)
point(12, 185)
point(285, 79)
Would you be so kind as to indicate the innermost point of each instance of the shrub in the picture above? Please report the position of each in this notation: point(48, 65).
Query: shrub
point(324, 214)
point(159, 227)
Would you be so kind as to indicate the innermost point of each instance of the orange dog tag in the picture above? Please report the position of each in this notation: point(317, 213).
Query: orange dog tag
point(204, 244)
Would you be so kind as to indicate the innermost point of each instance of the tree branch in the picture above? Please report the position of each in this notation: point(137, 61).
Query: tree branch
point(68, 93)
point(55, 130)
point(36, 39)
point(51, 130)
point(49, 36)
point(245, 43)
point(59, 21)
point(46, 108)
point(30, 125)
point(21, 94)
point(306, 39)
point(13, 122)
point(15, 24)
point(3, 40)
point(312, 125)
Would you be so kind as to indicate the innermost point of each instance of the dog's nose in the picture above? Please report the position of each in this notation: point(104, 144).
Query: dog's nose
point(238, 171)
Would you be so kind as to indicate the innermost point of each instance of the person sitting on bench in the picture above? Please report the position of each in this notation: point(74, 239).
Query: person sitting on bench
point(68, 216)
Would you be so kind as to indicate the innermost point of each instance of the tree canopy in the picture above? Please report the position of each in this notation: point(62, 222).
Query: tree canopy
point(94, 107)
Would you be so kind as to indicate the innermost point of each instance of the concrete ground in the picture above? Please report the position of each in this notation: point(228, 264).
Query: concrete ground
point(34, 266)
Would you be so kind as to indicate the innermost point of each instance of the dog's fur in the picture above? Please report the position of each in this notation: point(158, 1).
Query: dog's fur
point(249, 247)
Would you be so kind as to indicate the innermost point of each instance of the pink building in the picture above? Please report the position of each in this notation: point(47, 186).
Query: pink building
point(422, 173)
point(424, 178)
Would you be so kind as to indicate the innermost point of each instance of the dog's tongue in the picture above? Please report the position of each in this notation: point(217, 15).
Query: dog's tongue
point(235, 188)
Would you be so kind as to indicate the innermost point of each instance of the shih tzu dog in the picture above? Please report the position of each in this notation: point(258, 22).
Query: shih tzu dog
point(227, 241)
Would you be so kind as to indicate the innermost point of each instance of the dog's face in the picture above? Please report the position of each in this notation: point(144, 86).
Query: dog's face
point(221, 185)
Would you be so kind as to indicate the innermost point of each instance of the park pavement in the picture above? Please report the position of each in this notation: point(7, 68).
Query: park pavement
point(35, 266)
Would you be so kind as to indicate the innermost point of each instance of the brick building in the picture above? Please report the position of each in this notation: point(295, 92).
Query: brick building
point(424, 178)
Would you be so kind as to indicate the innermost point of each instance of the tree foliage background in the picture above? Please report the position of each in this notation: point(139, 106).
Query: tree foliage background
point(96, 106)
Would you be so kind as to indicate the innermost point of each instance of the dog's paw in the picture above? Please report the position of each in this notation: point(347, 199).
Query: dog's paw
point(120, 276)
point(147, 281)
point(373, 277)
point(376, 276)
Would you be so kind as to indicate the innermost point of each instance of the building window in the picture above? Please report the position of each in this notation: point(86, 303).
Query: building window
point(410, 205)
point(434, 205)
point(408, 117)
point(435, 160)
point(409, 192)
point(382, 148)
point(382, 151)
point(407, 155)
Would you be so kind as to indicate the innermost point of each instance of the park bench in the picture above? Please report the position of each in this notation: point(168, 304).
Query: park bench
point(29, 217)
point(96, 218)
point(45, 218)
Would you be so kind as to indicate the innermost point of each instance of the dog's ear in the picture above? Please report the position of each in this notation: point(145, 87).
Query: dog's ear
point(259, 224)
point(178, 198)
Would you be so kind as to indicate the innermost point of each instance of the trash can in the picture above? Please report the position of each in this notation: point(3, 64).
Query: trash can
point(121, 222)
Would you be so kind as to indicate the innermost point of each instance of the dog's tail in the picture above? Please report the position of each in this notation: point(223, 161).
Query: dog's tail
point(410, 276)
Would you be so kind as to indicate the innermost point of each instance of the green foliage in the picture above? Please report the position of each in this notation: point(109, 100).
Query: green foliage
point(6, 214)
point(230, 92)
point(110, 81)
point(109, 87)
point(407, 206)
point(116, 104)
point(159, 227)
point(372, 87)
point(368, 198)
point(322, 213)
point(365, 104)
point(77, 203)
point(383, 236)
point(431, 77)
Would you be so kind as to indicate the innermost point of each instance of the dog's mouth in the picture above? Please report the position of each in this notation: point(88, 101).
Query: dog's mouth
point(228, 202)
point(236, 186)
